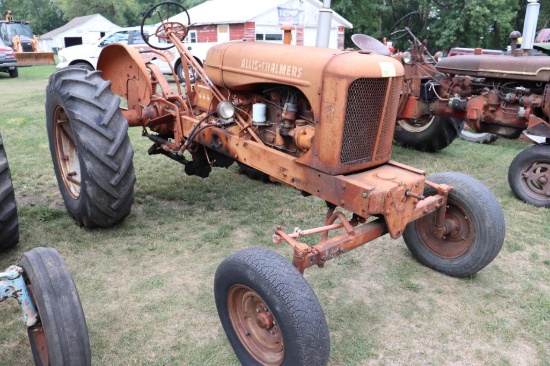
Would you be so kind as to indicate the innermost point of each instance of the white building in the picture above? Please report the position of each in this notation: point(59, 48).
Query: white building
point(80, 30)
point(253, 20)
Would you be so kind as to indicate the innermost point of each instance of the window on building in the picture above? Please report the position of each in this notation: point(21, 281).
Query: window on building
point(269, 37)
point(273, 37)
point(191, 37)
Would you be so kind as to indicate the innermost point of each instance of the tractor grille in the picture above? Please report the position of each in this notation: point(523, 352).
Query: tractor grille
point(365, 116)
point(383, 150)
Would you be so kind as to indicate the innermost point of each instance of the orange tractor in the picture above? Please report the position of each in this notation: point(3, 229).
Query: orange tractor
point(318, 120)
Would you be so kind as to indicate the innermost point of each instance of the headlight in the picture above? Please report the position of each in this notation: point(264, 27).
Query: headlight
point(407, 58)
point(225, 110)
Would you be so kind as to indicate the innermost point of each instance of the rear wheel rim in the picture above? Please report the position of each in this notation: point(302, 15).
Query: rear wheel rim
point(66, 152)
point(255, 325)
point(417, 125)
point(534, 180)
point(459, 234)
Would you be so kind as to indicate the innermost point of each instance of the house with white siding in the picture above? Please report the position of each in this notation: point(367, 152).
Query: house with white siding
point(80, 30)
point(253, 20)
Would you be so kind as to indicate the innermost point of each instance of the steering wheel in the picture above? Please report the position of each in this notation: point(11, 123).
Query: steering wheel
point(404, 24)
point(163, 12)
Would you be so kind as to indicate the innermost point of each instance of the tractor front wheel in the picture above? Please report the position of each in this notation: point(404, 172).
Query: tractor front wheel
point(529, 175)
point(429, 134)
point(269, 312)
point(9, 224)
point(474, 225)
point(90, 147)
point(60, 337)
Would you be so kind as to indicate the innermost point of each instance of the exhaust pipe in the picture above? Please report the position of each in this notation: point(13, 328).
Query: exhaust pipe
point(323, 29)
point(530, 25)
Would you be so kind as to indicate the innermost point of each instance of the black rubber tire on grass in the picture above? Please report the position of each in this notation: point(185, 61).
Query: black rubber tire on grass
point(477, 137)
point(481, 222)
point(14, 73)
point(436, 135)
point(253, 173)
point(90, 148)
point(62, 326)
point(266, 280)
point(529, 175)
point(9, 223)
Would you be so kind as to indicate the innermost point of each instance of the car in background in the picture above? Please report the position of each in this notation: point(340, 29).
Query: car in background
point(8, 63)
point(86, 56)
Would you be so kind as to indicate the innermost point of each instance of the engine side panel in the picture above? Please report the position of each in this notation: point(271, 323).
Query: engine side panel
point(353, 96)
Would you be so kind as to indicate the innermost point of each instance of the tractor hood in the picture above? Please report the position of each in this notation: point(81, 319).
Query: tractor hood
point(532, 68)
point(241, 65)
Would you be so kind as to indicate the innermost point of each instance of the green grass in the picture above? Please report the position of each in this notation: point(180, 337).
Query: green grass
point(146, 284)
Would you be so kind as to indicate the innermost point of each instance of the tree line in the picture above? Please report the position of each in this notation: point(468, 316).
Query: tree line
point(445, 24)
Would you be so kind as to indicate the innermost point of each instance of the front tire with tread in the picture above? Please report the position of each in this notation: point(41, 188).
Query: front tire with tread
point(269, 312)
point(61, 335)
point(90, 148)
point(476, 227)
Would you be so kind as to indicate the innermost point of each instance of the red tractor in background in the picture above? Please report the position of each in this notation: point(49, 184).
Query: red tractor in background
point(315, 119)
point(503, 95)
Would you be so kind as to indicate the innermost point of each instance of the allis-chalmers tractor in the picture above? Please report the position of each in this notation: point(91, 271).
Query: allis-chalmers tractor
point(318, 120)
point(503, 95)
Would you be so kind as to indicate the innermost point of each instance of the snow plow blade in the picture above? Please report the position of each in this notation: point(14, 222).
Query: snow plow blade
point(34, 58)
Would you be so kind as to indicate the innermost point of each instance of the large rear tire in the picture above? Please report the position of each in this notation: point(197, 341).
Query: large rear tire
point(9, 223)
point(268, 311)
point(61, 336)
point(90, 147)
point(428, 135)
point(529, 175)
point(475, 228)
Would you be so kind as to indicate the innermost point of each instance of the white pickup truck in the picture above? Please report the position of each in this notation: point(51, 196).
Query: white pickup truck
point(86, 55)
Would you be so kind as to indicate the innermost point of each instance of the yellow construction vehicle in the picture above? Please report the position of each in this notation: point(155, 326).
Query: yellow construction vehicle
point(18, 35)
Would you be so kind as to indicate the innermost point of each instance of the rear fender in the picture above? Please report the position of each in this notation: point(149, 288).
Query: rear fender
point(125, 68)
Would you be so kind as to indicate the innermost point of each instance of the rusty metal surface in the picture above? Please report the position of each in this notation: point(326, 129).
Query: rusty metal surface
point(456, 229)
point(125, 68)
point(502, 67)
point(255, 325)
point(66, 152)
point(364, 139)
point(328, 132)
